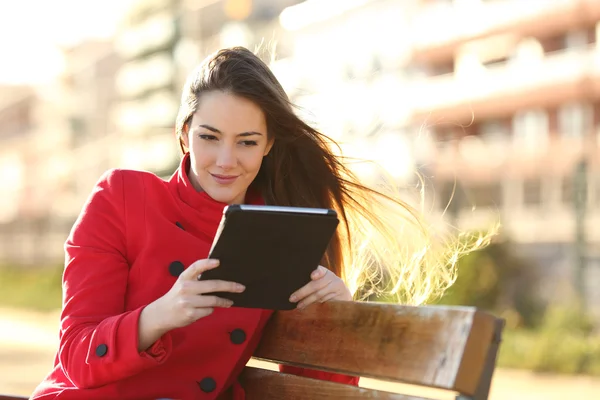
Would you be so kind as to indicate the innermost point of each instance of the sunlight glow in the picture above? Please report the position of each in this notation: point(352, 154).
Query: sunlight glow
point(311, 11)
point(33, 31)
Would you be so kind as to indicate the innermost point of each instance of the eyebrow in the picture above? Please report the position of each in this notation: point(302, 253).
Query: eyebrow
point(215, 130)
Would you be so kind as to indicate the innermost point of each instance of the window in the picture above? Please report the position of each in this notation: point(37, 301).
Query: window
point(495, 61)
point(577, 39)
point(451, 197)
point(596, 189)
point(422, 70)
point(572, 191)
point(484, 195)
point(566, 193)
point(79, 130)
point(532, 192)
point(554, 43)
point(444, 137)
point(444, 133)
point(575, 120)
point(442, 68)
point(531, 128)
point(494, 130)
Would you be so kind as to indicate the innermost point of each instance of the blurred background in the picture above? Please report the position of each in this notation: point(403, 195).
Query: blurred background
point(496, 103)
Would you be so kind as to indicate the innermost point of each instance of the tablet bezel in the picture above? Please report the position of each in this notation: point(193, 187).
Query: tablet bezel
point(263, 209)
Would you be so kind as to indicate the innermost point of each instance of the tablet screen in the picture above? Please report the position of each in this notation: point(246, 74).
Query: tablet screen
point(271, 250)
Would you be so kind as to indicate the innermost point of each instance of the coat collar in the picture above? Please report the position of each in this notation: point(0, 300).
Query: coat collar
point(182, 186)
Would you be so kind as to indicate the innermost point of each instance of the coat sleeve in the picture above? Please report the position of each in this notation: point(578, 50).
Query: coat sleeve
point(98, 338)
point(325, 376)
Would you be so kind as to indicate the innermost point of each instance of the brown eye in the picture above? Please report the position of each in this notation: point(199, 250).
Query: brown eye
point(207, 137)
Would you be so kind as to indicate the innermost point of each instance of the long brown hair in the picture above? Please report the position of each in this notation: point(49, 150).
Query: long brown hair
point(383, 244)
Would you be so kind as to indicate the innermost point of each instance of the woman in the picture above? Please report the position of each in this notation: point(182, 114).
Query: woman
point(136, 322)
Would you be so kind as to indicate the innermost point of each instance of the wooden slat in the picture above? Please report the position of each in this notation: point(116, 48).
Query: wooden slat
point(483, 339)
point(483, 388)
point(442, 347)
point(261, 384)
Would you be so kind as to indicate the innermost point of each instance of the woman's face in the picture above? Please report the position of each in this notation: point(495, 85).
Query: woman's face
point(227, 140)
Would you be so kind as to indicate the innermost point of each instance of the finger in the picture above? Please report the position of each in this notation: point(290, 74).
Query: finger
point(318, 273)
point(210, 302)
point(308, 289)
point(197, 268)
point(328, 297)
point(213, 286)
point(316, 296)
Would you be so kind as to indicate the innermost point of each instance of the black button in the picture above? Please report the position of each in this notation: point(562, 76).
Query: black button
point(207, 385)
point(176, 268)
point(101, 350)
point(179, 225)
point(237, 336)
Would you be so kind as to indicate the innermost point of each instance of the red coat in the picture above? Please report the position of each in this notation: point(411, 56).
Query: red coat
point(135, 234)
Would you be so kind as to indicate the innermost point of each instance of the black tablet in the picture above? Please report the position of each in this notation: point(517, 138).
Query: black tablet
point(271, 250)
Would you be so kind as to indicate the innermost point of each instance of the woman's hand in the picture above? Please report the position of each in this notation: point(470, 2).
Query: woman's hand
point(186, 302)
point(325, 286)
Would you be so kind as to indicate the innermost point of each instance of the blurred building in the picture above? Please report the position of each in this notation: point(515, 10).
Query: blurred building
point(17, 108)
point(31, 131)
point(113, 106)
point(496, 102)
point(16, 104)
point(161, 42)
point(146, 85)
point(55, 142)
point(514, 105)
point(89, 103)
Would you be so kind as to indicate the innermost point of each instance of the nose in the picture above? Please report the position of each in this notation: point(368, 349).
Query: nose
point(226, 158)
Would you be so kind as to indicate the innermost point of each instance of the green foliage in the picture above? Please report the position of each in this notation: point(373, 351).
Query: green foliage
point(553, 339)
point(496, 280)
point(564, 343)
point(37, 289)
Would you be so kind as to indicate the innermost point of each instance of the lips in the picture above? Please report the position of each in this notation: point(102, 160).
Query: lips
point(224, 179)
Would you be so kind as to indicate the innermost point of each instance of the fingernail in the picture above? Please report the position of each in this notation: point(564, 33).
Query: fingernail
point(230, 303)
point(241, 287)
point(213, 263)
point(292, 298)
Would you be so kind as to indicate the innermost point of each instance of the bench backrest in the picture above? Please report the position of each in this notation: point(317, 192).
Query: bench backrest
point(452, 348)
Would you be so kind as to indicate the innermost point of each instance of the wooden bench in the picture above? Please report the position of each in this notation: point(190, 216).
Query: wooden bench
point(450, 348)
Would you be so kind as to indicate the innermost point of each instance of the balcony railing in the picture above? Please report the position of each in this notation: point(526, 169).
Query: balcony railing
point(478, 160)
point(508, 78)
point(455, 23)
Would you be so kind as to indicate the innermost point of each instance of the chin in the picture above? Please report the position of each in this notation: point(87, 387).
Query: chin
point(223, 196)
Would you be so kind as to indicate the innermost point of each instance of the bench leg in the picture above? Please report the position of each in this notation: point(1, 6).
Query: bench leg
point(483, 389)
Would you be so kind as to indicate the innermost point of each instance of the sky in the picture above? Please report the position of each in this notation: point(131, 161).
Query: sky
point(32, 30)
